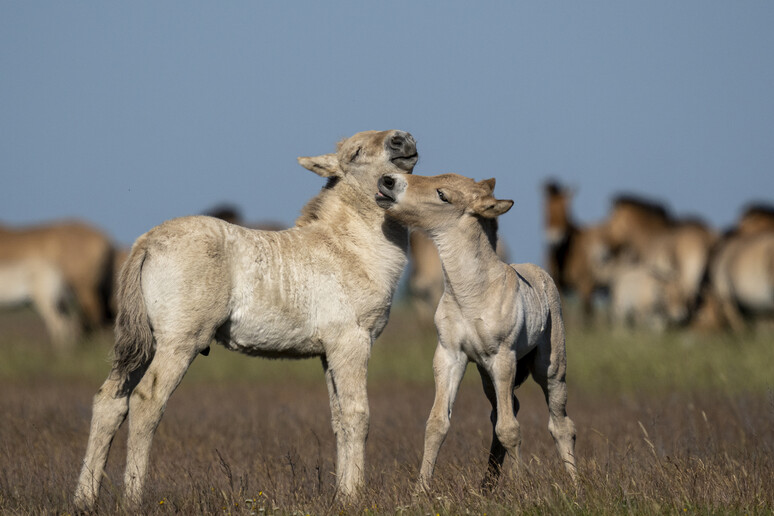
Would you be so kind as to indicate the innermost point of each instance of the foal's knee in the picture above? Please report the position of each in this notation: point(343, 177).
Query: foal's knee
point(508, 432)
point(437, 424)
point(562, 429)
point(355, 418)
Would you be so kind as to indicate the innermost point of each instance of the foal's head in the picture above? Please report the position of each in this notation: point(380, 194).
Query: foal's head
point(438, 202)
point(364, 157)
point(357, 164)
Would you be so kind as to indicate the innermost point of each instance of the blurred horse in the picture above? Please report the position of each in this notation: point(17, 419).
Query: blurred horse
point(682, 253)
point(42, 284)
point(577, 256)
point(742, 275)
point(641, 297)
point(632, 225)
point(425, 280)
point(644, 232)
point(756, 218)
point(83, 255)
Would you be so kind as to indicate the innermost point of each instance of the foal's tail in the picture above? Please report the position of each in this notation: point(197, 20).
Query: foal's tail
point(134, 345)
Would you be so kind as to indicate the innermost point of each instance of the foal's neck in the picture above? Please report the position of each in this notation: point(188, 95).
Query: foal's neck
point(469, 258)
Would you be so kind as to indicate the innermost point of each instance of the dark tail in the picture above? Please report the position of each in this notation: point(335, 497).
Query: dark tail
point(134, 347)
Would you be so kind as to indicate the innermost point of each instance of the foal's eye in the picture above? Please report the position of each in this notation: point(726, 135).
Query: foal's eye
point(442, 196)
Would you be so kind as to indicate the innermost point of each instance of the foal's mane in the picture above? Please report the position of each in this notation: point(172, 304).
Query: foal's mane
point(313, 208)
point(489, 226)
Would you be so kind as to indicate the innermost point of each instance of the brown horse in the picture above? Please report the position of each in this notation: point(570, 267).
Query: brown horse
point(232, 214)
point(741, 270)
point(633, 223)
point(756, 218)
point(742, 276)
point(644, 232)
point(576, 255)
point(39, 283)
point(82, 253)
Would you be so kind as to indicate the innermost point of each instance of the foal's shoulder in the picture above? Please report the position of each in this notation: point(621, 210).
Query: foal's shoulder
point(529, 270)
point(534, 275)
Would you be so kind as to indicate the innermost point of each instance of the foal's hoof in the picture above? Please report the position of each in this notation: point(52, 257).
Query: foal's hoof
point(421, 490)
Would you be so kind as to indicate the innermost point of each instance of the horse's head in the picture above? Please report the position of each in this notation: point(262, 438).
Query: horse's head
point(557, 212)
point(434, 203)
point(353, 170)
point(363, 158)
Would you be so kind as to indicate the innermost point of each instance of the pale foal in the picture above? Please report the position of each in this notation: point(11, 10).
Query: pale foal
point(320, 289)
point(505, 318)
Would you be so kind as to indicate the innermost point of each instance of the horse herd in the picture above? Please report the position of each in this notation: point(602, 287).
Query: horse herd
point(324, 287)
point(660, 271)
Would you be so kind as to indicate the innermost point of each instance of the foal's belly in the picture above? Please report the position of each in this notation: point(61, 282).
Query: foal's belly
point(273, 333)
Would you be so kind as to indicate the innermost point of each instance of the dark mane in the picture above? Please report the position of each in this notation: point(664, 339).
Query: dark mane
point(758, 209)
point(310, 211)
point(227, 212)
point(694, 221)
point(490, 227)
point(552, 187)
point(646, 205)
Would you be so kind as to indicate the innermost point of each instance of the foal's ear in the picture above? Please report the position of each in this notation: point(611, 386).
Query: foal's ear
point(325, 165)
point(489, 184)
point(489, 207)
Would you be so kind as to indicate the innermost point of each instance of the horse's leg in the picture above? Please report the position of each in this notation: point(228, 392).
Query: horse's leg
point(111, 404)
point(147, 403)
point(449, 368)
point(733, 315)
point(586, 294)
point(502, 371)
point(346, 375)
point(549, 370)
point(335, 414)
point(497, 451)
point(49, 295)
point(90, 304)
point(55, 321)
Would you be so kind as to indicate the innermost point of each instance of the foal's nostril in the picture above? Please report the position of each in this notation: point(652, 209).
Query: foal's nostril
point(397, 141)
point(388, 181)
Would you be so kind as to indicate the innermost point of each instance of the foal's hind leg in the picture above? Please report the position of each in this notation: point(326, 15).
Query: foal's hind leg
point(549, 372)
point(559, 424)
point(146, 407)
point(111, 404)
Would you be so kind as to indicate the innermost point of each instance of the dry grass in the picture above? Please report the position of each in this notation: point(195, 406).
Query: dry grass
point(246, 436)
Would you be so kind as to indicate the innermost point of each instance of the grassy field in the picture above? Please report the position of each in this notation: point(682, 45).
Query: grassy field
point(676, 423)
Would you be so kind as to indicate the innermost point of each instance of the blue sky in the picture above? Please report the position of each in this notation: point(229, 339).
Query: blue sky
point(126, 114)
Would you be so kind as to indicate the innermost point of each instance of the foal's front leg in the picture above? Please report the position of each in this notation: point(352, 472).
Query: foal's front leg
point(346, 371)
point(496, 451)
point(448, 370)
point(502, 371)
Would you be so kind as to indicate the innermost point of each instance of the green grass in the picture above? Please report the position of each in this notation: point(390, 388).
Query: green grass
point(599, 360)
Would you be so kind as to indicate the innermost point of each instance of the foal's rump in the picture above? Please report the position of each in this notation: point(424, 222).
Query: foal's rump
point(169, 283)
